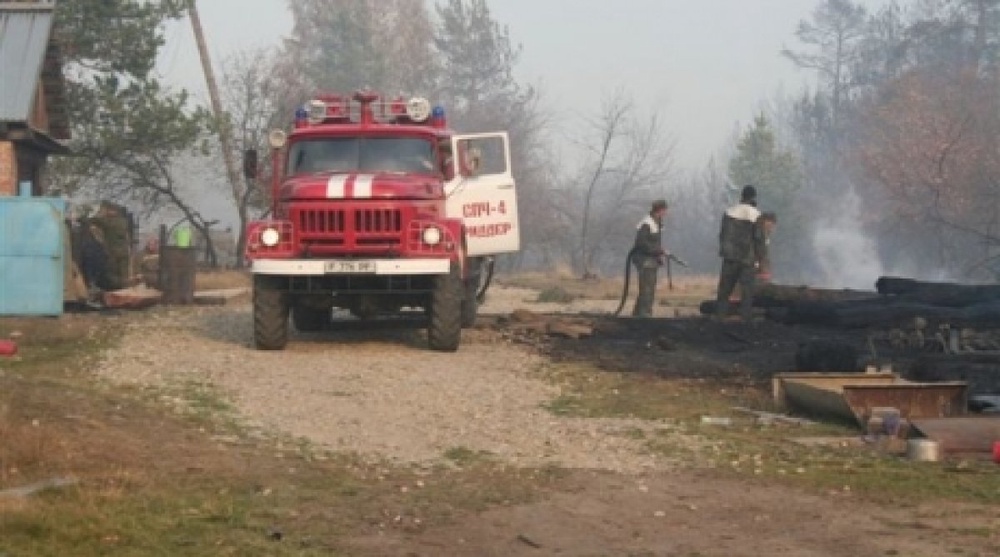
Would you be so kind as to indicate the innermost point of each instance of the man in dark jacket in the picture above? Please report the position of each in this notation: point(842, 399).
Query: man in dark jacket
point(647, 256)
point(742, 246)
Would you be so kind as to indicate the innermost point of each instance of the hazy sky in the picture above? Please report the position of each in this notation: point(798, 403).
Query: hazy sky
point(705, 65)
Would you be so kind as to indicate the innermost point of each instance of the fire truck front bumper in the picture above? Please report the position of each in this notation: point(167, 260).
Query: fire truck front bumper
point(328, 267)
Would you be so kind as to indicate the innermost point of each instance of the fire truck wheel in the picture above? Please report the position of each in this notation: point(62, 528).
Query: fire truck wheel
point(309, 319)
point(445, 328)
point(270, 314)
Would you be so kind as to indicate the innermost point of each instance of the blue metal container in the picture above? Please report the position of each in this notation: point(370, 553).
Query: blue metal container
point(32, 265)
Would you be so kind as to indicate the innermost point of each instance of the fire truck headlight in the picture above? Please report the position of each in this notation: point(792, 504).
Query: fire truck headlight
point(418, 109)
point(432, 235)
point(270, 237)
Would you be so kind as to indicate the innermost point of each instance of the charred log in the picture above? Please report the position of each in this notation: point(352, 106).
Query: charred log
point(771, 296)
point(947, 294)
point(778, 295)
point(980, 371)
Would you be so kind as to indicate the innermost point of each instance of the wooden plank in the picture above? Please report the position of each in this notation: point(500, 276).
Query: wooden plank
point(968, 434)
point(852, 396)
point(132, 298)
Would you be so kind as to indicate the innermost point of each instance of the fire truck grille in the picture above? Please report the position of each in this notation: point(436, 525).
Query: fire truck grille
point(322, 221)
point(381, 228)
point(378, 221)
point(378, 227)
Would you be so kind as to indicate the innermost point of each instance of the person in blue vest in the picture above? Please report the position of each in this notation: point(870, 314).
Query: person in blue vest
point(743, 248)
point(648, 255)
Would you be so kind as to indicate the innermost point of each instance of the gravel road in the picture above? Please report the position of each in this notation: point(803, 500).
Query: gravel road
point(379, 392)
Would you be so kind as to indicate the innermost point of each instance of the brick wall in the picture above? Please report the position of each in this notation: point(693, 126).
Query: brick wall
point(8, 169)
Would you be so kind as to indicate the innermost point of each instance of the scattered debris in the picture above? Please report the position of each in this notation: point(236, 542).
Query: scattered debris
point(835, 442)
point(219, 297)
point(717, 420)
point(31, 489)
point(528, 541)
point(556, 325)
point(768, 417)
point(137, 297)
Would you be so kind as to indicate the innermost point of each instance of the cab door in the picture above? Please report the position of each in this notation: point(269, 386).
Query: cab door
point(482, 193)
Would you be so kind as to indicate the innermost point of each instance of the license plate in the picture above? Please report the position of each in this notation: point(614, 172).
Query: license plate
point(350, 267)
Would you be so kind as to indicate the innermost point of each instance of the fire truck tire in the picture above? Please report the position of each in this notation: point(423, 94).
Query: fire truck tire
point(445, 328)
point(309, 319)
point(270, 314)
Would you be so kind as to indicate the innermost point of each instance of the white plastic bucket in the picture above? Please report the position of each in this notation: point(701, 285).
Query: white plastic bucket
point(923, 450)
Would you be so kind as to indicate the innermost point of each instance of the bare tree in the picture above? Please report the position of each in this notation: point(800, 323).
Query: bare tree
point(627, 159)
point(255, 99)
point(832, 39)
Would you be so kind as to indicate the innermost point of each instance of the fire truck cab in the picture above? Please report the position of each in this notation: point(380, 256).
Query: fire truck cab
point(377, 207)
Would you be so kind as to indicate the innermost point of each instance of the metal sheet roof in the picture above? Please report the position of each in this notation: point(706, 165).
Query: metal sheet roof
point(24, 38)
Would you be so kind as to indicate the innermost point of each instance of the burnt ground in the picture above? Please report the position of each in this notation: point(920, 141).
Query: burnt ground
point(701, 348)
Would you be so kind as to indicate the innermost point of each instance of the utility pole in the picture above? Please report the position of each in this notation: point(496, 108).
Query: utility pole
point(225, 135)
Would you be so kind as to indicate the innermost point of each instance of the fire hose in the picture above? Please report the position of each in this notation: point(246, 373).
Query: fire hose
point(628, 275)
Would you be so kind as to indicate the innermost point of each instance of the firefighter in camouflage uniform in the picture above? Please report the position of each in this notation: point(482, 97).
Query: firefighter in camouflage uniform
point(743, 248)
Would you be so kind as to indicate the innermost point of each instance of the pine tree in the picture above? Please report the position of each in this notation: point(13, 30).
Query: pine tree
point(777, 175)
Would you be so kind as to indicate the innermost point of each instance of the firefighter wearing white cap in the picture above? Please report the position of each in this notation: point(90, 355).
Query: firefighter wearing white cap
point(647, 256)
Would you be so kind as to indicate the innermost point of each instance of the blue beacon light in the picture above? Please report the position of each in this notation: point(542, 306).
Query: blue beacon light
point(301, 117)
point(437, 117)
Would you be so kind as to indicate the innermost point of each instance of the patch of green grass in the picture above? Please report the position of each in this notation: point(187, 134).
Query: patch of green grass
point(205, 399)
point(186, 518)
point(555, 295)
point(465, 456)
point(767, 454)
point(589, 392)
point(763, 452)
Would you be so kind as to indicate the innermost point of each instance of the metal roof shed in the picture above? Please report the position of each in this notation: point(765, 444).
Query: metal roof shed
point(33, 117)
point(24, 38)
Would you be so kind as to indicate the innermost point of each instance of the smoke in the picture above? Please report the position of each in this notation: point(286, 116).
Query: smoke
point(845, 256)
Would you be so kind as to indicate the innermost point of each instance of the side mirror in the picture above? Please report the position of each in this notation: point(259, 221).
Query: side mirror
point(250, 164)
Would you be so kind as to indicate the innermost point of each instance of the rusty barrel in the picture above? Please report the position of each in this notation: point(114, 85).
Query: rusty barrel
point(177, 272)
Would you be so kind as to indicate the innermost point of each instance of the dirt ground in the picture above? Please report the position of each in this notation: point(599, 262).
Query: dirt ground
point(378, 392)
point(375, 391)
point(691, 513)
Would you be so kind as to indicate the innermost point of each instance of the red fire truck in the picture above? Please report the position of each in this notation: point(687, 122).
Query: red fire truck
point(379, 208)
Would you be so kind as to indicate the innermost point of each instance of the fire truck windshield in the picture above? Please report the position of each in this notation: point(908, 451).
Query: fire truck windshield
point(362, 154)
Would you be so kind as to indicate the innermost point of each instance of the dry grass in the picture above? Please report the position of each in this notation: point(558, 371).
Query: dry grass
point(697, 286)
point(222, 279)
